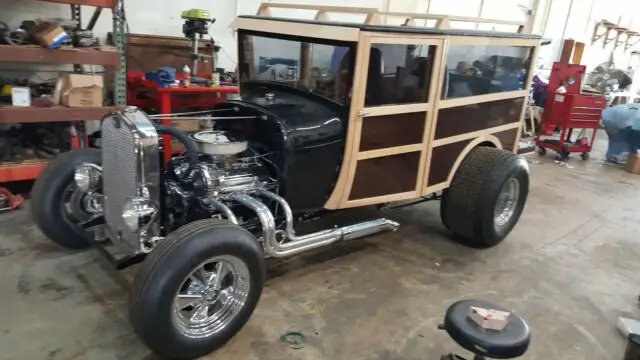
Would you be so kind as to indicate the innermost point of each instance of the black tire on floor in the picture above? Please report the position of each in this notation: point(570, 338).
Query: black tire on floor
point(161, 276)
point(47, 195)
point(467, 206)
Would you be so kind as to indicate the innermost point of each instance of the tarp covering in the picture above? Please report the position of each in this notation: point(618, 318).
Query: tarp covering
point(622, 124)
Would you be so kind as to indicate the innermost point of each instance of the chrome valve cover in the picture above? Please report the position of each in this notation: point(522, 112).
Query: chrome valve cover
point(130, 167)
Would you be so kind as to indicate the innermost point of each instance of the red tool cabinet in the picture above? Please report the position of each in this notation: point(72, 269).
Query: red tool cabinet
point(566, 110)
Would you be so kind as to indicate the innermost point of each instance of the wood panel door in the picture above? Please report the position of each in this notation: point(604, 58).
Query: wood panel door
point(394, 94)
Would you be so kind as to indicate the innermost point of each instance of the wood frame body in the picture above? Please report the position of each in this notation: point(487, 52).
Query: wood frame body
point(438, 155)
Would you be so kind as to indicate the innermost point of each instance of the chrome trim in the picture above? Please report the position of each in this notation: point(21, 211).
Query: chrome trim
point(131, 168)
point(211, 297)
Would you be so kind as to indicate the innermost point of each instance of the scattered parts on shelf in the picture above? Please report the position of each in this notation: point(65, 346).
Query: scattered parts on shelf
point(33, 141)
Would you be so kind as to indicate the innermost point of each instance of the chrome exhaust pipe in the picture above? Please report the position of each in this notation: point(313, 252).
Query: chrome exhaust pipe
point(266, 219)
point(299, 244)
point(223, 208)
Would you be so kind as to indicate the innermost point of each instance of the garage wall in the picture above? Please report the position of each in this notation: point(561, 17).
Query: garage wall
point(576, 20)
point(163, 17)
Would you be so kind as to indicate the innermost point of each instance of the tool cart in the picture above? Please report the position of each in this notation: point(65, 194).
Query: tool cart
point(567, 109)
point(29, 168)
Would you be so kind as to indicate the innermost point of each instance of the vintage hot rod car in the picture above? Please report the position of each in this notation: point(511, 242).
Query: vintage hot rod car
point(331, 115)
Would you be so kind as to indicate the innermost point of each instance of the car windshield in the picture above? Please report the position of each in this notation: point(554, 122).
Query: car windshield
point(322, 67)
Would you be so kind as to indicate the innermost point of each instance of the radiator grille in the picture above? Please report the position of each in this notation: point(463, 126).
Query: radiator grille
point(120, 172)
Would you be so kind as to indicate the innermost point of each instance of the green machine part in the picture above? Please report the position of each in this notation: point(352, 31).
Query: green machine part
point(196, 14)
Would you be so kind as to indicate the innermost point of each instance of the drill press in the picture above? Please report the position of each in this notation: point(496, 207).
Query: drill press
point(195, 28)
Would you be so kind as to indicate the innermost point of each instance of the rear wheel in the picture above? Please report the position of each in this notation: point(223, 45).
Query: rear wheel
point(486, 197)
point(197, 289)
point(56, 204)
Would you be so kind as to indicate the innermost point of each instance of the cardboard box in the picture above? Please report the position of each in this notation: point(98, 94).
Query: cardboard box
point(20, 96)
point(489, 319)
point(50, 35)
point(633, 164)
point(80, 90)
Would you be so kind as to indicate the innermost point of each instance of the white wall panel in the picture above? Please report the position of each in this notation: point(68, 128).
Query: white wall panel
point(162, 17)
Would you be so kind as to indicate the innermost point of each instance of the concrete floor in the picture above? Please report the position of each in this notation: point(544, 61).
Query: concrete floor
point(570, 268)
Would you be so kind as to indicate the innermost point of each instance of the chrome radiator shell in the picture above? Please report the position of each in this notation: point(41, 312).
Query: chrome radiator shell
point(130, 168)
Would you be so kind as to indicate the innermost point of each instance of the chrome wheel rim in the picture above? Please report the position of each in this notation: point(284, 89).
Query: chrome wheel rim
point(506, 204)
point(211, 296)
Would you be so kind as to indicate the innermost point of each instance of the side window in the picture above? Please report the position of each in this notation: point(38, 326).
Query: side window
point(322, 67)
point(478, 70)
point(399, 74)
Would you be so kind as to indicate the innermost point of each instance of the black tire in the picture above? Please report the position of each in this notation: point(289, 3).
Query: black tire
point(467, 206)
point(585, 156)
point(162, 274)
point(47, 197)
point(542, 151)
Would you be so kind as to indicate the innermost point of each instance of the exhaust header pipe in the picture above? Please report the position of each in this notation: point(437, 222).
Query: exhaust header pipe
point(299, 244)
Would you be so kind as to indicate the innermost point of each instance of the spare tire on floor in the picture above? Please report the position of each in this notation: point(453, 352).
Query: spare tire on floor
point(486, 197)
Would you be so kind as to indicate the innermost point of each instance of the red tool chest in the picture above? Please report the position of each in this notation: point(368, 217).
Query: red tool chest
point(566, 109)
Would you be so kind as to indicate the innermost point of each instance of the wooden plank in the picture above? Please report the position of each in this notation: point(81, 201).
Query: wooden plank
point(354, 128)
point(567, 50)
point(449, 18)
point(527, 84)
point(380, 199)
point(470, 100)
point(394, 109)
point(389, 151)
point(36, 54)
point(15, 115)
point(435, 92)
point(577, 53)
point(324, 8)
point(330, 32)
point(471, 135)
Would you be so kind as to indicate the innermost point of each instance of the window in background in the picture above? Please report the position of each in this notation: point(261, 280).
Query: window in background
point(479, 70)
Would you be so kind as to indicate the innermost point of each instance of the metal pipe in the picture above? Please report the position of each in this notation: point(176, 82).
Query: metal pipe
point(298, 244)
point(194, 69)
point(224, 209)
point(266, 219)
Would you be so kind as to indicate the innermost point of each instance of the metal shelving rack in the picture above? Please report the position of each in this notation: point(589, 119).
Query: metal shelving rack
point(115, 60)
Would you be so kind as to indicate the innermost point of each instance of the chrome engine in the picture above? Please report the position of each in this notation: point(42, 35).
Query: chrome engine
point(232, 179)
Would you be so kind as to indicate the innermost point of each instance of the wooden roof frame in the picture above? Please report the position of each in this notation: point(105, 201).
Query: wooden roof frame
point(374, 17)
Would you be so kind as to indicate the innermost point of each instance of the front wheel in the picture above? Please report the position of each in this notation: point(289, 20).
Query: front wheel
point(486, 197)
point(56, 203)
point(197, 289)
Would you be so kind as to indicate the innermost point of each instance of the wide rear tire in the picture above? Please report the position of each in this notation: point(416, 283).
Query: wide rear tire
point(178, 290)
point(486, 197)
point(51, 191)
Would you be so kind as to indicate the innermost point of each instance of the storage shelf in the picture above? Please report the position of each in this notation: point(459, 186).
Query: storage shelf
point(14, 115)
point(36, 54)
point(27, 170)
point(98, 3)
